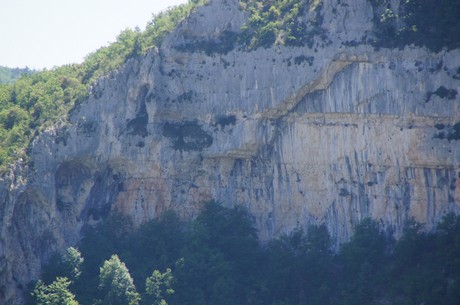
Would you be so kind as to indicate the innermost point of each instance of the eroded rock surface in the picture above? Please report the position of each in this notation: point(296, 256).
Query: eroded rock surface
point(328, 133)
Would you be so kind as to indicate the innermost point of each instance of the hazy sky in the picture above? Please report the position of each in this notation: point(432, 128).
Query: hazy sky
point(47, 33)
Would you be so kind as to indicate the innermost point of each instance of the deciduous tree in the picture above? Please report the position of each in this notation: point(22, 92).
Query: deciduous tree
point(117, 284)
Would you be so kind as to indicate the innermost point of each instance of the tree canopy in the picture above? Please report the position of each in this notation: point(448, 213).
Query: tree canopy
point(117, 284)
point(217, 259)
point(9, 75)
point(56, 293)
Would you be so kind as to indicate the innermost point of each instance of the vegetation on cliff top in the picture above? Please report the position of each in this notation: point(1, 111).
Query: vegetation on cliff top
point(433, 24)
point(286, 22)
point(36, 101)
point(9, 75)
point(217, 259)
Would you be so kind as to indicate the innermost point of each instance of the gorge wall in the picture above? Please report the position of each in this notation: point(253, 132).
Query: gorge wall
point(332, 132)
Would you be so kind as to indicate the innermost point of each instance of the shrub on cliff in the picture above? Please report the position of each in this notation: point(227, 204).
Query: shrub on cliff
point(288, 22)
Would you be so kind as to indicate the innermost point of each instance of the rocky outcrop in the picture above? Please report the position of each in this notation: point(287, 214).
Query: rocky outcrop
point(329, 133)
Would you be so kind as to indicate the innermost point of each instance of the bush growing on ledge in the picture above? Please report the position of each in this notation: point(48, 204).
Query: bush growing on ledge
point(281, 22)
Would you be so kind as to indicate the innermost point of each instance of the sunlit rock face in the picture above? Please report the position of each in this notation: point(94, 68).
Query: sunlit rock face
point(332, 132)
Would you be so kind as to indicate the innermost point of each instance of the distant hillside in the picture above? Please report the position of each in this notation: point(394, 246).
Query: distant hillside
point(9, 75)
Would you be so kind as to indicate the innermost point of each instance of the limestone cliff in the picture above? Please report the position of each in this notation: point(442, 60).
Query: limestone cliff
point(331, 132)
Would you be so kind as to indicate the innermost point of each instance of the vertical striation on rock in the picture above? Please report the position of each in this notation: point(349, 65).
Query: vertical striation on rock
point(332, 133)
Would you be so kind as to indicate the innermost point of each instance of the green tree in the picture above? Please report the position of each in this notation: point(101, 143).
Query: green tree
point(117, 284)
point(230, 232)
point(56, 293)
point(363, 259)
point(159, 285)
point(73, 261)
point(156, 245)
point(427, 265)
point(408, 246)
point(68, 265)
point(306, 279)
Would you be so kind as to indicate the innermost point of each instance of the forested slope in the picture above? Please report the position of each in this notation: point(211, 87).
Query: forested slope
point(218, 259)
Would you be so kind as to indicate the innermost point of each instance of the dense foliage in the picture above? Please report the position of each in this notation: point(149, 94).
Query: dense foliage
point(9, 75)
point(431, 23)
point(288, 22)
point(55, 293)
point(217, 259)
point(116, 283)
point(37, 100)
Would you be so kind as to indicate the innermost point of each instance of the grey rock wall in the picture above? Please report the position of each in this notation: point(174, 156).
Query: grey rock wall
point(331, 133)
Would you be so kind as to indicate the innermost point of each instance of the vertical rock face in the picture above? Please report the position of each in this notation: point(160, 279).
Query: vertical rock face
point(332, 132)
